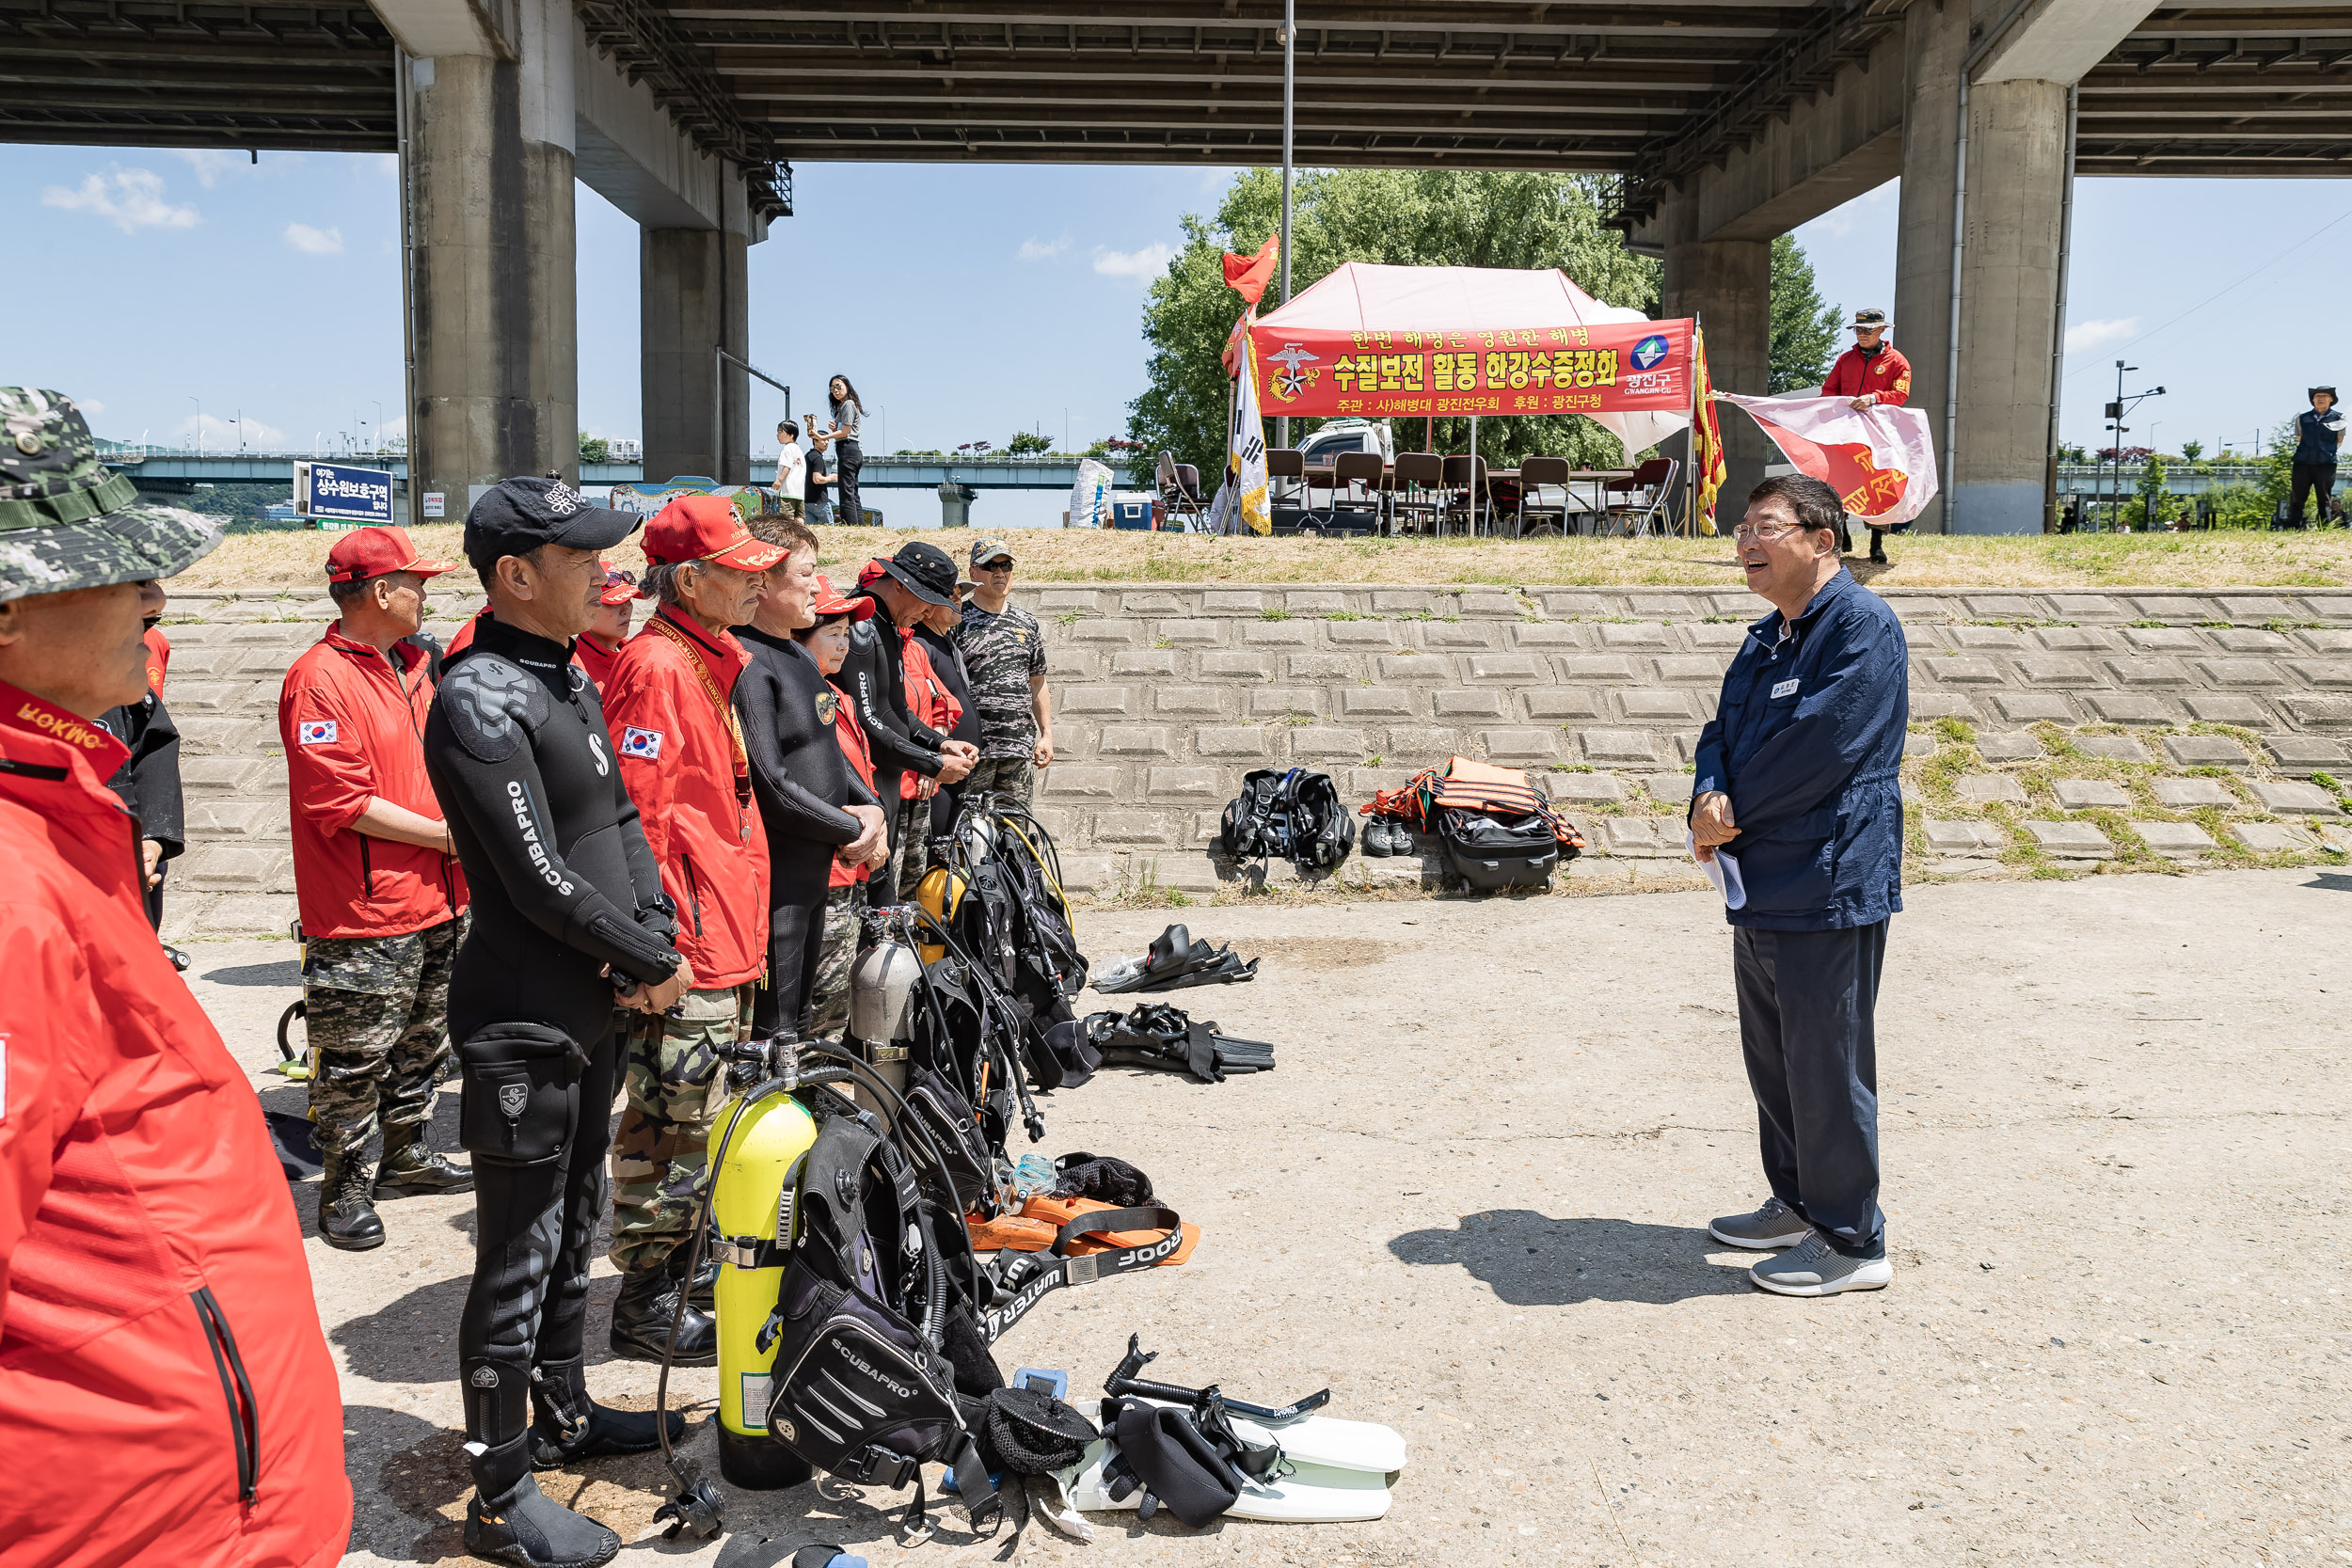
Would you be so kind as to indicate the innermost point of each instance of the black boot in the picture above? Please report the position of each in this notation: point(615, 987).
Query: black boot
point(1845, 535)
point(567, 1425)
point(347, 1217)
point(517, 1524)
point(410, 1167)
point(1878, 546)
point(704, 1292)
point(640, 1322)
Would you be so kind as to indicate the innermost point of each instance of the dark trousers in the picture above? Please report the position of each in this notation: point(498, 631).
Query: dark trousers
point(534, 1226)
point(796, 940)
point(1808, 1001)
point(2308, 477)
point(848, 458)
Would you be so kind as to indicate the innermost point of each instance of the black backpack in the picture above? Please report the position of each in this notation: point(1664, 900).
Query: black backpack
point(1291, 814)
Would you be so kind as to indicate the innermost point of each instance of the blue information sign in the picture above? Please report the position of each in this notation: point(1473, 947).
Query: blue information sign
point(333, 492)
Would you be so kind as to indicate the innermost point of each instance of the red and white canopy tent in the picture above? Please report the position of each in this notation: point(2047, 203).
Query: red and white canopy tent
point(1424, 342)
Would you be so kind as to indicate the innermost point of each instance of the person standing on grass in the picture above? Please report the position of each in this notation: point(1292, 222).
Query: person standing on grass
point(848, 420)
point(1798, 784)
point(2318, 441)
point(1004, 659)
point(1871, 374)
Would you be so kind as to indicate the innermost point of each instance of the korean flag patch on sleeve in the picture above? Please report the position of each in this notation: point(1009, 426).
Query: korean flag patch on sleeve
point(316, 732)
point(643, 745)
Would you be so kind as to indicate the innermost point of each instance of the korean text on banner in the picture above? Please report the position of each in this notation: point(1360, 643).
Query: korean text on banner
point(1880, 460)
point(1605, 366)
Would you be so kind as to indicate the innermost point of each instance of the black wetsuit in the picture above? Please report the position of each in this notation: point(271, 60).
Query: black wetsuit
point(563, 885)
point(149, 781)
point(802, 781)
point(875, 673)
point(947, 660)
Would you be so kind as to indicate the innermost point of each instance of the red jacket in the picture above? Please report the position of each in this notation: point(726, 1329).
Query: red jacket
point(1885, 372)
point(158, 658)
point(145, 1226)
point(847, 730)
point(354, 730)
point(927, 699)
point(667, 705)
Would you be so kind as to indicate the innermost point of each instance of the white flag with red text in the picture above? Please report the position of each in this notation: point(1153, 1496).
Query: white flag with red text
point(1881, 461)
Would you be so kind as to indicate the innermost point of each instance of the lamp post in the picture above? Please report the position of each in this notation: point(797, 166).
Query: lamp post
point(199, 423)
point(1289, 63)
point(2116, 411)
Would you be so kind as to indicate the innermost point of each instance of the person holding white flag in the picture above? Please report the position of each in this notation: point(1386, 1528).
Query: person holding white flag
point(1880, 457)
point(1871, 374)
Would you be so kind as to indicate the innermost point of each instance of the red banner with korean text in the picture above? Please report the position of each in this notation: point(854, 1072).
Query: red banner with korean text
point(1613, 366)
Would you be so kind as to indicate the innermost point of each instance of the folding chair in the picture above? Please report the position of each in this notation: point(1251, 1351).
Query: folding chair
point(1535, 473)
point(1179, 485)
point(1352, 470)
point(1635, 517)
point(1413, 490)
point(1466, 478)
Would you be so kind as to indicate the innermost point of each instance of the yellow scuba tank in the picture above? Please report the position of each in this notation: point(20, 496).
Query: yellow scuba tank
point(941, 893)
point(762, 1155)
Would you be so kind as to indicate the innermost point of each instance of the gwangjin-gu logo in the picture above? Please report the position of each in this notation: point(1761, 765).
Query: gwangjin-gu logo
point(1650, 351)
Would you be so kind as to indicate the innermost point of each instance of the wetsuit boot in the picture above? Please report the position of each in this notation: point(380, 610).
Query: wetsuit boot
point(1878, 546)
point(347, 1217)
point(410, 1167)
point(640, 1322)
point(567, 1425)
point(507, 1519)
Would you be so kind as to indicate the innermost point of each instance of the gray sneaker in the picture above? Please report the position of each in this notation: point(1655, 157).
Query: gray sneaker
point(1776, 1225)
point(1814, 1268)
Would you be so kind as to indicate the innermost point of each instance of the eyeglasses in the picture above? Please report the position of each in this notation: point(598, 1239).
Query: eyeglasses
point(997, 567)
point(1746, 532)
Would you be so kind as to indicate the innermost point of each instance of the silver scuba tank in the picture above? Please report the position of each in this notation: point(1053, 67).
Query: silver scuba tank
point(881, 1019)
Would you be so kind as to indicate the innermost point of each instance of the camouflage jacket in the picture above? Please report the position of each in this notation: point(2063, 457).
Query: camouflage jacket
point(1000, 654)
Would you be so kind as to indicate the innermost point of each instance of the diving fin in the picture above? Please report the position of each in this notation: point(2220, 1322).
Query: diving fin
point(1326, 1442)
point(1175, 961)
point(1310, 1495)
point(1157, 1035)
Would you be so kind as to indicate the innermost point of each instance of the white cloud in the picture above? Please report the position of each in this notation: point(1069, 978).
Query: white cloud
point(1142, 266)
point(1044, 250)
point(315, 242)
point(2089, 335)
point(90, 407)
point(227, 435)
point(210, 166)
point(130, 199)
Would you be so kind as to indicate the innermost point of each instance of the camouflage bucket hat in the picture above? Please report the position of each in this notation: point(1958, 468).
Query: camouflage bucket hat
point(64, 522)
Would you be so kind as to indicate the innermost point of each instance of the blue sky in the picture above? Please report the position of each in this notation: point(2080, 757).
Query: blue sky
point(974, 300)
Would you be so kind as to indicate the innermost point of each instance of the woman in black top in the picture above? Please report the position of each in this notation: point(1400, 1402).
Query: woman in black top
point(848, 418)
point(811, 803)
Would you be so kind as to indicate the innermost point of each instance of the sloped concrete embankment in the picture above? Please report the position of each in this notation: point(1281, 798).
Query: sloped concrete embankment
point(2052, 731)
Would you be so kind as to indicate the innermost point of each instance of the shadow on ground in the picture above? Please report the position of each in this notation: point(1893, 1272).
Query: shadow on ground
point(2333, 881)
point(285, 972)
point(1532, 1260)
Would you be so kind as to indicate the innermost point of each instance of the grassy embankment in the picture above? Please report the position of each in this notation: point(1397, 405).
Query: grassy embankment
point(2223, 559)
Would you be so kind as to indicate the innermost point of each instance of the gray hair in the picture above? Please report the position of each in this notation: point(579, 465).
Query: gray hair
point(661, 582)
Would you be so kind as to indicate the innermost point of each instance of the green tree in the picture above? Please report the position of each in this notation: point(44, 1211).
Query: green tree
point(1398, 217)
point(2192, 451)
point(2153, 498)
point(1026, 442)
point(1805, 328)
point(595, 449)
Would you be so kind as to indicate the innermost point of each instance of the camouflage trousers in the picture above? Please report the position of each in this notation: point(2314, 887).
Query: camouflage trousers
point(1013, 778)
point(828, 1004)
point(673, 1092)
point(910, 851)
point(377, 1009)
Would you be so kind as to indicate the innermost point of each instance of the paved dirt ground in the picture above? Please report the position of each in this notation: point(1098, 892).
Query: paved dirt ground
point(1473, 1200)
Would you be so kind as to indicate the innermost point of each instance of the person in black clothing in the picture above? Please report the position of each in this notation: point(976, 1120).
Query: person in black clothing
point(567, 909)
point(148, 783)
point(947, 659)
point(813, 806)
point(2318, 441)
point(919, 575)
point(849, 422)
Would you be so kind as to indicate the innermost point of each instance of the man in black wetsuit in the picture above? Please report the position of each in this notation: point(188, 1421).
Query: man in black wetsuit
point(811, 803)
point(567, 909)
point(918, 576)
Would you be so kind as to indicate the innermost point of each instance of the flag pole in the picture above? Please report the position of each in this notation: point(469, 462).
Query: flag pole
point(1290, 58)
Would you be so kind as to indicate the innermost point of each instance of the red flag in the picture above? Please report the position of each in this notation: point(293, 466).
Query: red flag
point(1247, 276)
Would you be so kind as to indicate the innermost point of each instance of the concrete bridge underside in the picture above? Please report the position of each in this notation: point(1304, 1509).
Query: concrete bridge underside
point(1727, 122)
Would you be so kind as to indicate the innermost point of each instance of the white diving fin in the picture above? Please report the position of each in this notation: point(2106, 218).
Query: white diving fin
point(1310, 1495)
point(1325, 1441)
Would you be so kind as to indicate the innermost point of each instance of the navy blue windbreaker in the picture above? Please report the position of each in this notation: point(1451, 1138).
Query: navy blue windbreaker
point(1808, 741)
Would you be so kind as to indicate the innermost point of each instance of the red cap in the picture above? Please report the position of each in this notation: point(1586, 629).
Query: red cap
point(620, 586)
point(371, 552)
point(828, 604)
point(707, 528)
point(869, 573)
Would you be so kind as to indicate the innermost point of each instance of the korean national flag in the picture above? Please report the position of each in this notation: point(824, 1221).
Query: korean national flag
point(644, 745)
point(316, 732)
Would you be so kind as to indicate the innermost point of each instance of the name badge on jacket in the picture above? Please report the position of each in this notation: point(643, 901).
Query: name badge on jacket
point(1786, 689)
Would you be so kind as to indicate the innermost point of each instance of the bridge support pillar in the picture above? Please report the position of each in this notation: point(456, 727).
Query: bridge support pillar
point(694, 298)
point(1994, 478)
point(497, 386)
point(1728, 285)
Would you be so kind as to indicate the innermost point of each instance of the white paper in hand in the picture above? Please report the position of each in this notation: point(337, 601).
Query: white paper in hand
point(1723, 871)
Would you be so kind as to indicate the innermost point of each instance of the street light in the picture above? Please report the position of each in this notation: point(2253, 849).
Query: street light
point(199, 423)
point(2115, 412)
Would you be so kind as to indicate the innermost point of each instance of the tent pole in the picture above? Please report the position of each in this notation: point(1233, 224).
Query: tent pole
point(1290, 58)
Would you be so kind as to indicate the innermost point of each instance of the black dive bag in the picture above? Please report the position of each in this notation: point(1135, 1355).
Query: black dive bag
point(1492, 853)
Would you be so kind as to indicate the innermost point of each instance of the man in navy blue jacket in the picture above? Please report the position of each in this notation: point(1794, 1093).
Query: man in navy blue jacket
point(1798, 785)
